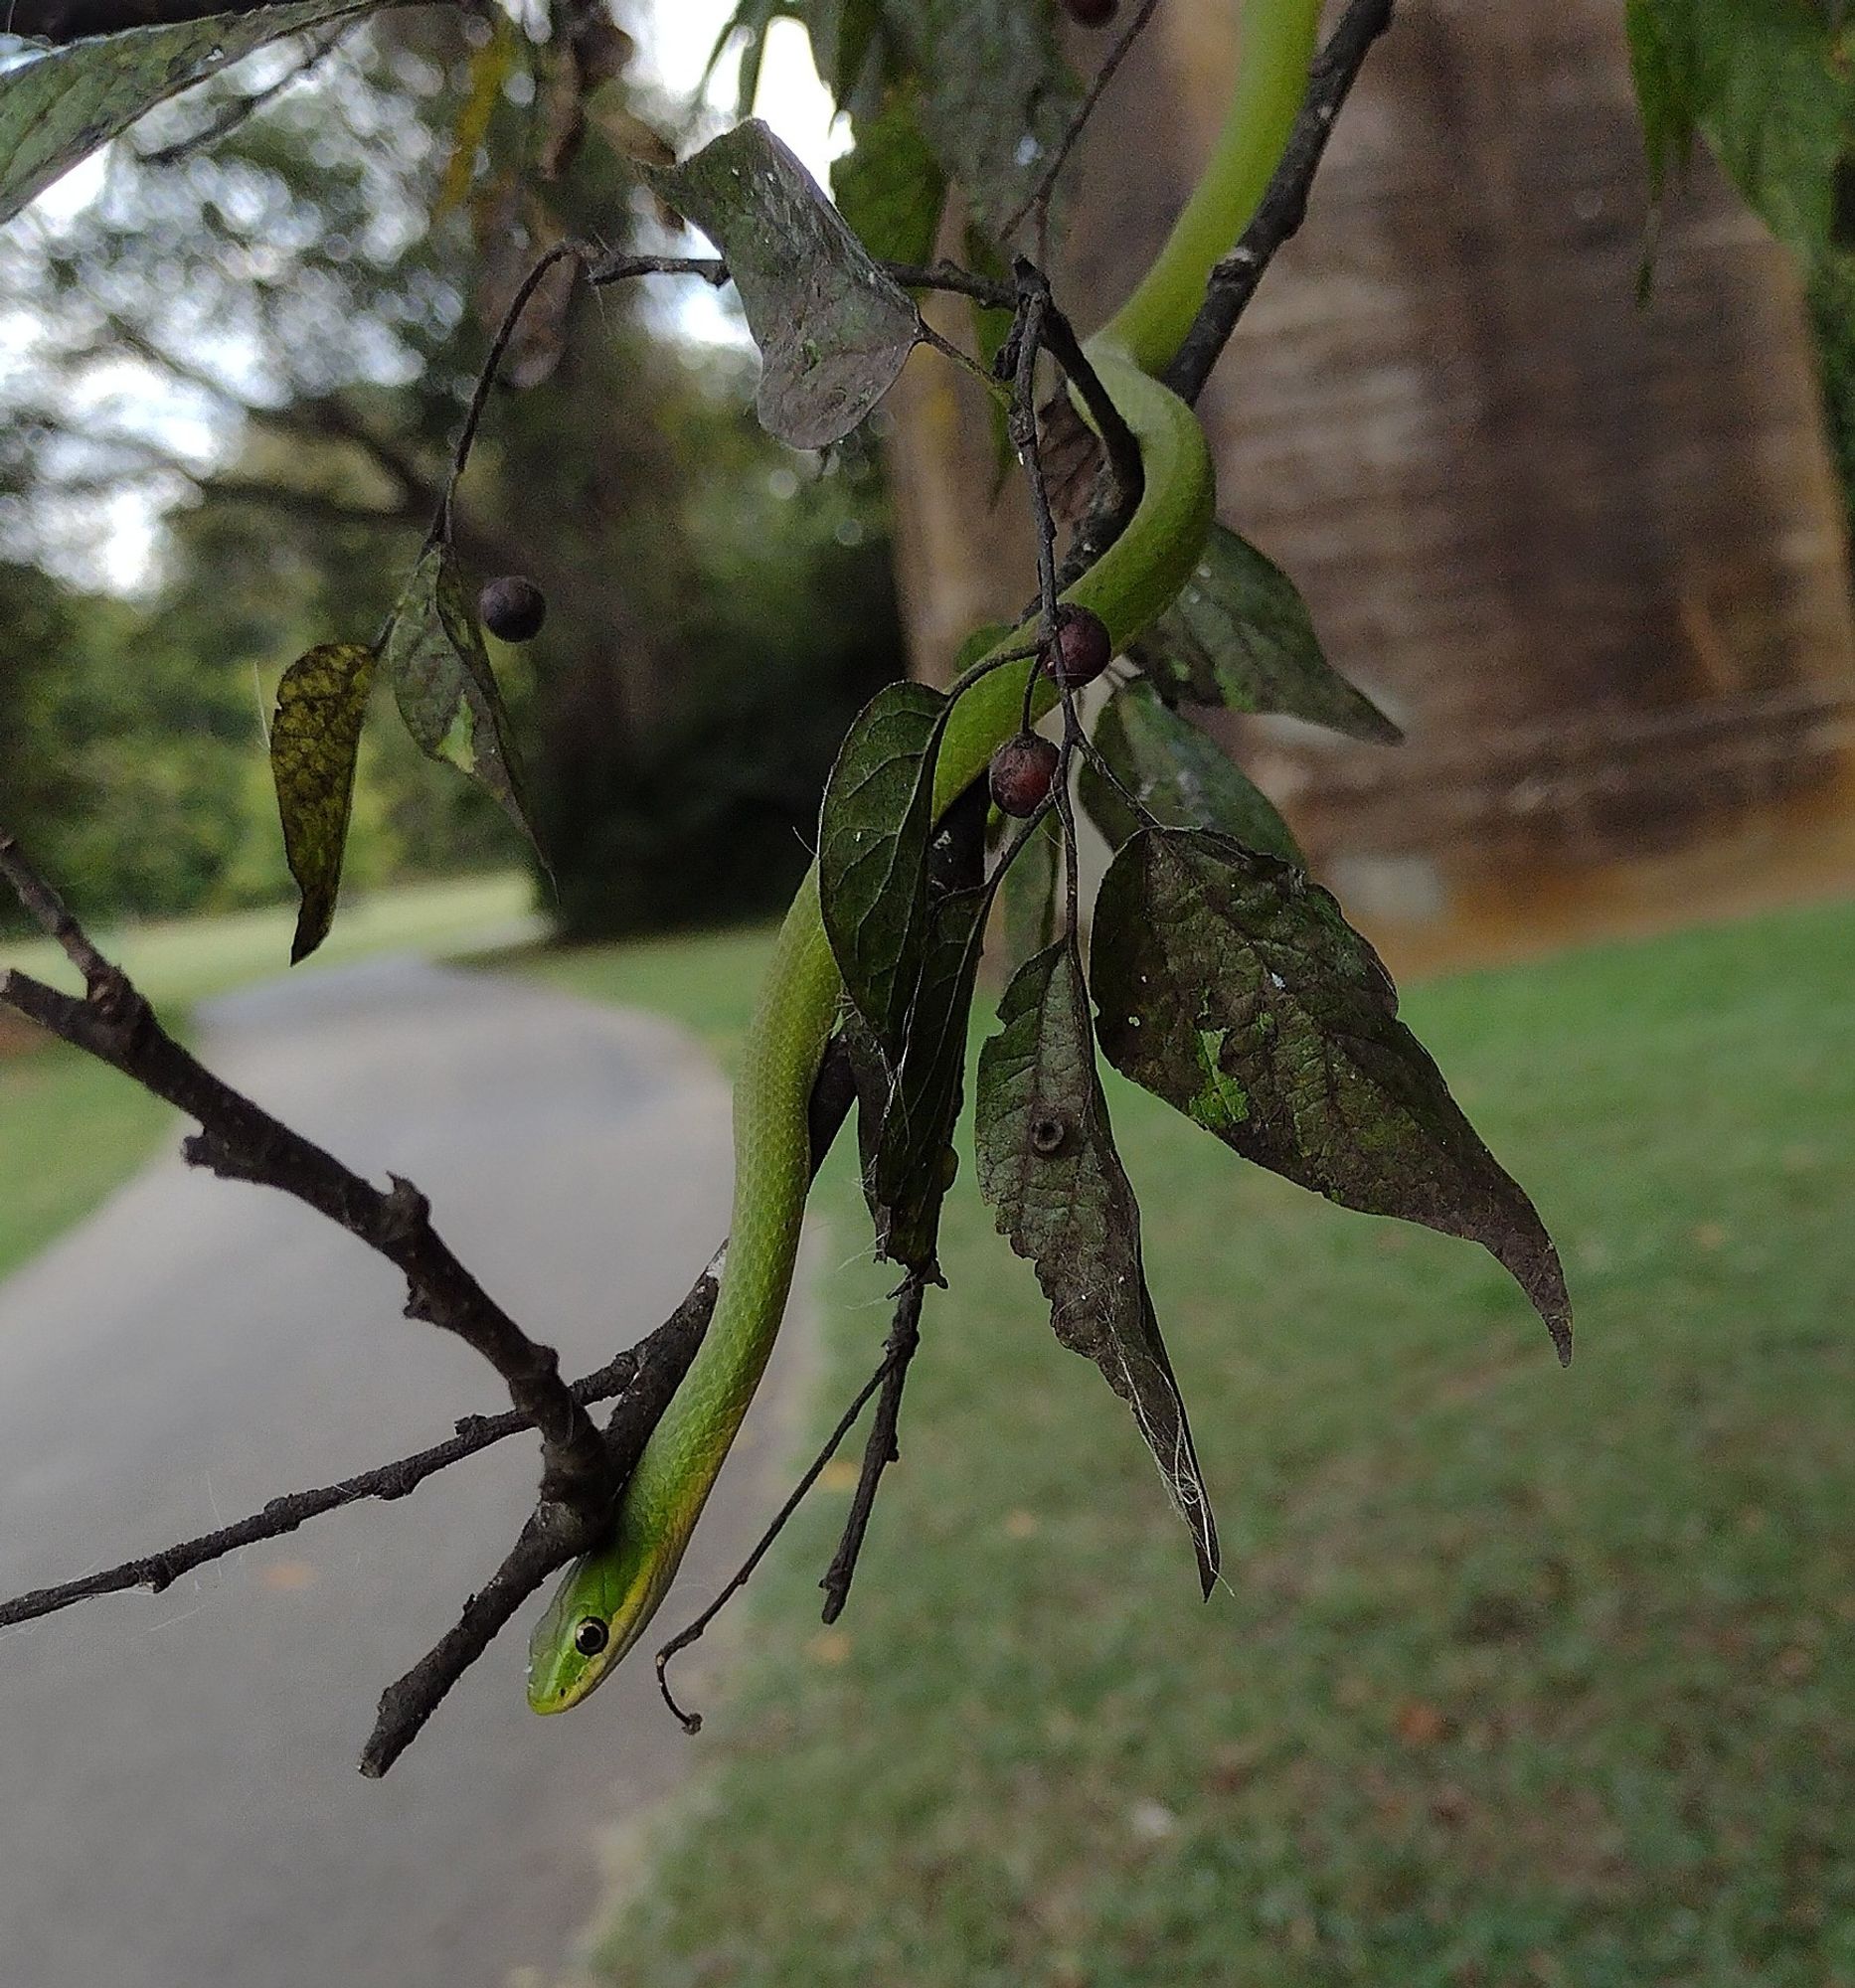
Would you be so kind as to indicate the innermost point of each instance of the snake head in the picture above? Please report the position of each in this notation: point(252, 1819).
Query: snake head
point(598, 1612)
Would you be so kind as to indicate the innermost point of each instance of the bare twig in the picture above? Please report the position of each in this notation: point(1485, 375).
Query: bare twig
point(659, 1364)
point(941, 275)
point(1038, 201)
point(239, 108)
point(486, 378)
point(672, 1344)
point(644, 1376)
point(880, 1450)
point(1285, 207)
point(547, 1540)
point(622, 269)
point(691, 1721)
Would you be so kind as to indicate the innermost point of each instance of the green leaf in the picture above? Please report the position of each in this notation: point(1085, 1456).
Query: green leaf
point(874, 832)
point(996, 94)
point(1178, 774)
point(832, 329)
point(842, 32)
point(1770, 84)
point(1239, 635)
point(890, 188)
point(314, 738)
point(1048, 1166)
point(56, 108)
point(914, 1160)
point(444, 685)
point(1232, 987)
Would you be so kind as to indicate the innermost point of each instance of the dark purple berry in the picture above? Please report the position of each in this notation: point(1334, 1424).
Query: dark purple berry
point(1024, 770)
point(1090, 13)
point(512, 609)
point(1083, 648)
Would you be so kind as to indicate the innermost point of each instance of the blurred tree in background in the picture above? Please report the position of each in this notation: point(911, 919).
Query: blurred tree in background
point(272, 342)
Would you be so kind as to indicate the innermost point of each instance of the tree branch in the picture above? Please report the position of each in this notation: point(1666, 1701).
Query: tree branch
point(1285, 207)
point(545, 1545)
point(239, 1140)
point(114, 1022)
point(941, 276)
point(671, 1345)
point(1038, 201)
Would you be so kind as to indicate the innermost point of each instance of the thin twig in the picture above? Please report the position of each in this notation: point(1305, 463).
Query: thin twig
point(547, 1540)
point(996, 292)
point(673, 1342)
point(964, 360)
point(486, 378)
point(1137, 806)
point(1284, 205)
point(1038, 201)
point(941, 275)
point(238, 111)
point(880, 1450)
point(691, 1721)
point(622, 269)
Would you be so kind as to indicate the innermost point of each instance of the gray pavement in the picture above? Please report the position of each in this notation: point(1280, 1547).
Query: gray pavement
point(179, 1807)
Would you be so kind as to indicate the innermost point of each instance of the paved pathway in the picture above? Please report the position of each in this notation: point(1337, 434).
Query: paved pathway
point(179, 1807)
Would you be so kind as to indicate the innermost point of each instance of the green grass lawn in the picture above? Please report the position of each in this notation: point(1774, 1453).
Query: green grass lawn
point(71, 1130)
point(1521, 1676)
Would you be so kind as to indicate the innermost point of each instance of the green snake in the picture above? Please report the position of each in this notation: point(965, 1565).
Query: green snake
point(607, 1599)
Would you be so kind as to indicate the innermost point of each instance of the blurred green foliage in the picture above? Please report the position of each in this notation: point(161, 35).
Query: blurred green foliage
point(301, 310)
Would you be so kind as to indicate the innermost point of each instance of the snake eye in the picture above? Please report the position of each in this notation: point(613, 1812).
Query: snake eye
point(590, 1636)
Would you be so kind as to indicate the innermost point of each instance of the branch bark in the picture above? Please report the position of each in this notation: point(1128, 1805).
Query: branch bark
point(1284, 205)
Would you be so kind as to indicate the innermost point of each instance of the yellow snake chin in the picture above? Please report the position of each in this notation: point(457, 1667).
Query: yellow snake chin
point(616, 1592)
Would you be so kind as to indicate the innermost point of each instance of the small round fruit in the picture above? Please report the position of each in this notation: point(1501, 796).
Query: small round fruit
point(512, 609)
point(1090, 13)
point(1024, 770)
point(1083, 648)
